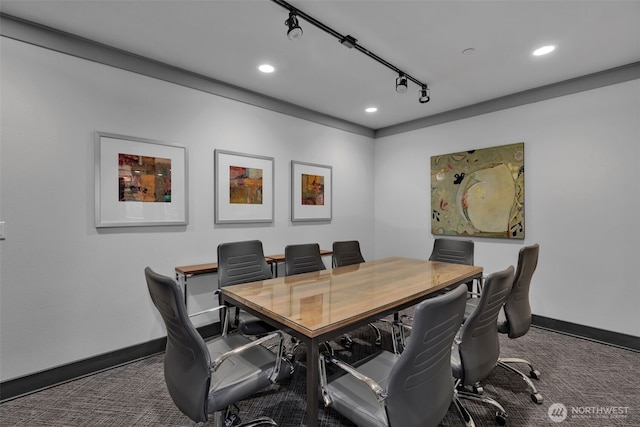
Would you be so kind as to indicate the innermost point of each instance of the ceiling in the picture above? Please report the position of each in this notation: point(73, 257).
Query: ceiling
point(227, 40)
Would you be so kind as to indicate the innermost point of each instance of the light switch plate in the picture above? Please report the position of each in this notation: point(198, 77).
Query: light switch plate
point(2, 235)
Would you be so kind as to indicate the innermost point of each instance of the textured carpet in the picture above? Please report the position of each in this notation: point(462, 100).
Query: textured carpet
point(598, 384)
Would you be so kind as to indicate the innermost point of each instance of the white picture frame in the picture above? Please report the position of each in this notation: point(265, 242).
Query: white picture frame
point(126, 196)
point(237, 201)
point(311, 192)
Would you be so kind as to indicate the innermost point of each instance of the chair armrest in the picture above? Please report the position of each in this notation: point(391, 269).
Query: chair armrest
point(407, 317)
point(378, 391)
point(215, 364)
point(216, 292)
point(210, 310)
point(225, 320)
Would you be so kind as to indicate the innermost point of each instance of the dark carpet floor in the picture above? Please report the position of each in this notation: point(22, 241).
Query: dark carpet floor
point(598, 384)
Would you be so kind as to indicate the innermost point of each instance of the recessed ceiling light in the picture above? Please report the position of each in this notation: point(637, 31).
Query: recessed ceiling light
point(266, 68)
point(544, 50)
point(371, 109)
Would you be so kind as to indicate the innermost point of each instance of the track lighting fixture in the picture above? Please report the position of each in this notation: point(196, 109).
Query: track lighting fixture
point(424, 95)
point(348, 41)
point(401, 83)
point(294, 32)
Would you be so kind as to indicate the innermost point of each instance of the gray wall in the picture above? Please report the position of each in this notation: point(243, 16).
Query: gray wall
point(581, 199)
point(69, 291)
point(77, 293)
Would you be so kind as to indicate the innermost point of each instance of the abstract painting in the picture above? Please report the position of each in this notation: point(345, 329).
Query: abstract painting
point(144, 178)
point(245, 185)
point(479, 192)
point(312, 190)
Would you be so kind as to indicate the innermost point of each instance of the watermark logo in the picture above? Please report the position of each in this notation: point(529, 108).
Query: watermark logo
point(557, 412)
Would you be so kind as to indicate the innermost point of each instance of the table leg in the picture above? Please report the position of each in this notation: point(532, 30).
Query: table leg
point(182, 280)
point(313, 375)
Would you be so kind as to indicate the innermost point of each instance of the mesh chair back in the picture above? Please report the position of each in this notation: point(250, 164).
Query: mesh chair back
point(187, 360)
point(517, 308)
point(420, 386)
point(479, 347)
point(302, 259)
point(241, 262)
point(453, 251)
point(346, 253)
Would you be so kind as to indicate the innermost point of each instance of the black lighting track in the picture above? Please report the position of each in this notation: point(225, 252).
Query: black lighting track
point(347, 40)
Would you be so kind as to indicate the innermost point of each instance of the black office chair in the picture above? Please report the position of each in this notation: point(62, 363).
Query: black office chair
point(209, 377)
point(243, 262)
point(348, 253)
point(303, 258)
point(413, 389)
point(477, 348)
point(454, 251)
point(515, 319)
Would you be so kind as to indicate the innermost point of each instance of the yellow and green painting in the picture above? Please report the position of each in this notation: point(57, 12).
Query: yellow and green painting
point(143, 178)
point(245, 185)
point(312, 190)
point(479, 192)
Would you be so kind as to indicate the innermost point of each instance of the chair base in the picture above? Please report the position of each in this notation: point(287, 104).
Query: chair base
point(347, 342)
point(533, 373)
point(220, 420)
point(501, 414)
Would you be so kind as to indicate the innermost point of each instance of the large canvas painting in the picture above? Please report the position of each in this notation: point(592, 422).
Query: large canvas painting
point(479, 192)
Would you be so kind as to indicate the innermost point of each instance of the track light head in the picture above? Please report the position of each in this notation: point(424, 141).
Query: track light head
point(401, 83)
point(348, 41)
point(424, 95)
point(294, 32)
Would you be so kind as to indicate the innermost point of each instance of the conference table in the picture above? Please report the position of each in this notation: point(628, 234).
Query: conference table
point(318, 306)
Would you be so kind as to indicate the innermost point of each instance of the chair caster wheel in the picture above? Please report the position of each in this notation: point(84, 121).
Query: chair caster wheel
point(537, 398)
point(232, 420)
point(535, 374)
point(478, 389)
point(501, 418)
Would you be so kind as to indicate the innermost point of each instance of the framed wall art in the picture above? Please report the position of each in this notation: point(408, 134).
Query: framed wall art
point(244, 188)
point(479, 192)
point(139, 182)
point(311, 192)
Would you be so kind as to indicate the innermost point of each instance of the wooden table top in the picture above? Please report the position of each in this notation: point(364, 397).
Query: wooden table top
point(188, 270)
point(319, 302)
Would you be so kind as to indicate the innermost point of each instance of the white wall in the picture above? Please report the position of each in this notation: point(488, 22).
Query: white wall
point(68, 291)
point(582, 194)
